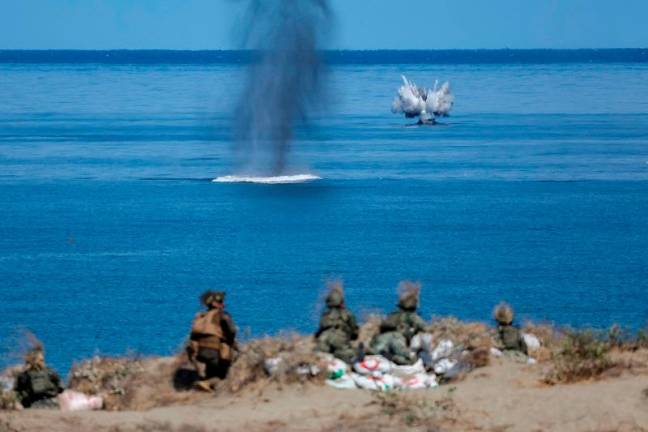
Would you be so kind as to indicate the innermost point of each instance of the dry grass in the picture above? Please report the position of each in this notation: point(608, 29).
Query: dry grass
point(413, 410)
point(131, 383)
point(582, 355)
point(370, 328)
point(295, 351)
point(9, 398)
point(470, 335)
point(134, 383)
point(410, 411)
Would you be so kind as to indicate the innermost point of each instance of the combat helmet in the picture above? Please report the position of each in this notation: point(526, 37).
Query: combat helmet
point(408, 295)
point(35, 357)
point(503, 314)
point(209, 297)
point(335, 296)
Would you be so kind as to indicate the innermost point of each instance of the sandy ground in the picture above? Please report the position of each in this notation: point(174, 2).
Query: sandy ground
point(504, 396)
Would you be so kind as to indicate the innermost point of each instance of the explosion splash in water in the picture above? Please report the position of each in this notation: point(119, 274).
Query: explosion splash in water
point(283, 83)
point(414, 101)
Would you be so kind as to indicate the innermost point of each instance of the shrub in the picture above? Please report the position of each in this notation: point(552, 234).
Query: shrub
point(583, 355)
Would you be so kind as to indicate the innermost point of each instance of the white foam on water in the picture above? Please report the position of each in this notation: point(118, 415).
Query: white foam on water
point(282, 179)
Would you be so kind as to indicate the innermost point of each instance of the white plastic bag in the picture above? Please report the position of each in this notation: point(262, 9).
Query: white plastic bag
point(272, 365)
point(421, 341)
point(443, 349)
point(6, 383)
point(379, 383)
point(71, 400)
point(373, 365)
point(343, 382)
point(531, 341)
point(336, 369)
point(419, 381)
point(444, 365)
point(406, 370)
point(495, 352)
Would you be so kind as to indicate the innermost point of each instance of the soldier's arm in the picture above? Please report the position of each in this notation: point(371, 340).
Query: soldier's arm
point(56, 380)
point(21, 387)
point(389, 324)
point(419, 324)
point(325, 324)
point(353, 325)
point(228, 327)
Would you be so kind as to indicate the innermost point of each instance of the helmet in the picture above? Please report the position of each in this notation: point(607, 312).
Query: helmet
point(335, 297)
point(35, 358)
point(209, 297)
point(408, 295)
point(503, 313)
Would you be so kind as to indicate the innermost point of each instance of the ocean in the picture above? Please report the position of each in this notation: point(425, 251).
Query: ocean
point(534, 191)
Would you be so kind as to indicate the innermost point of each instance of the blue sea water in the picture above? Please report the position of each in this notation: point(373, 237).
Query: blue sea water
point(535, 191)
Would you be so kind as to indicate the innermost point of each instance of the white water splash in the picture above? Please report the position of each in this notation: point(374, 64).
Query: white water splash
point(282, 179)
point(414, 101)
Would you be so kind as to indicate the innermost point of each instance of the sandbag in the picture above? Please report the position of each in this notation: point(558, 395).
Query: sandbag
point(71, 400)
point(342, 382)
point(374, 382)
point(419, 381)
point(336, 368)
point(373, 365)
point(405, 370)
point(338, 374)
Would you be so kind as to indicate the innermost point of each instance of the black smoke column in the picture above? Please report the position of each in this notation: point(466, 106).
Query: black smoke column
point(284, 80)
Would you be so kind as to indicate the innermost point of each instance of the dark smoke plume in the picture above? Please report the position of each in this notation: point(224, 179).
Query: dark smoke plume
point(284, 80)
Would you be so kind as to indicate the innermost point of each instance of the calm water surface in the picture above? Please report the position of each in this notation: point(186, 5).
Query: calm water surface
point(534, 191)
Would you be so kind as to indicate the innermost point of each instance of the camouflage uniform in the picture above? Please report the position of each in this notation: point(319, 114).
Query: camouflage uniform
point(396, 332)
point(337, 328)
point(38, 385)
point(214, 348)
point(511, 338)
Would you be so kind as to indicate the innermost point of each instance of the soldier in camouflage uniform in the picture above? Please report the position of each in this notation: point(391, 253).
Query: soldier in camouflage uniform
point(337, 328)
point(510, 336)
point(212, 340)
point(398, 329)
point(38, 385)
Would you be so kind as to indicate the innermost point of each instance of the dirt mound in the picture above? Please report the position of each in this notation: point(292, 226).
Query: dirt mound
point(132, 383)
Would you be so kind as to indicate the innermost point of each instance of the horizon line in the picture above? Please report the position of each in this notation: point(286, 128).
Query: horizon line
point(324, 50)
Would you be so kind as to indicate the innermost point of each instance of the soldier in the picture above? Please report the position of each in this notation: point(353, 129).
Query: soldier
point(337, 328)
point(510, 336)
point(398, 329)
point(38, 385)
point(212, 340)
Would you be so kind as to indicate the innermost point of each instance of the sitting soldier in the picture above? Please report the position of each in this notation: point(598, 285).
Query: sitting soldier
point(398, 329)
point(510, 336)
point(38, 385)
point(212, 340)
point(337, 328)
